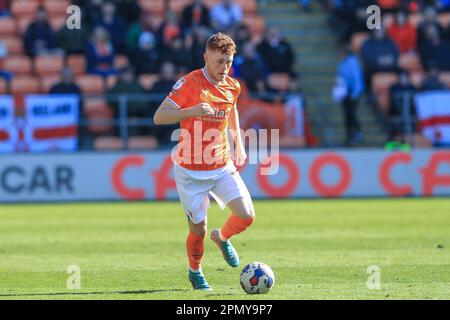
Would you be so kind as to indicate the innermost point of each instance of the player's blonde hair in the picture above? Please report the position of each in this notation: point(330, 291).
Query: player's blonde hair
point(222, 43)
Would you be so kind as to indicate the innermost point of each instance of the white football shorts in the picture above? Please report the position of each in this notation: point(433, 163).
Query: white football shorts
point(194, 187)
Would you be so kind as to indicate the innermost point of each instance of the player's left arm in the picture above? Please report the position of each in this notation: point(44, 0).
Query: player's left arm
point(239, 149)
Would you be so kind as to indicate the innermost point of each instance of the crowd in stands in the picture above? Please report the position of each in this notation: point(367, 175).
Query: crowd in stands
point(132, 46)
point(410, 53)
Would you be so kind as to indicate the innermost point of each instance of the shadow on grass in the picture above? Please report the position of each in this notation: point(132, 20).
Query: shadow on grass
point(221, 294)
point(90, 293)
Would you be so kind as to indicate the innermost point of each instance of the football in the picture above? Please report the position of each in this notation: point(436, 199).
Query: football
point(257, 277)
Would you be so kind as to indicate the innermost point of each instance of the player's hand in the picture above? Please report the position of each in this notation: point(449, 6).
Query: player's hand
point(202, 109)
point(240, 155)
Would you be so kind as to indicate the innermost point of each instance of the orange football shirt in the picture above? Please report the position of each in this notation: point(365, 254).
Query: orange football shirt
point(203, 143)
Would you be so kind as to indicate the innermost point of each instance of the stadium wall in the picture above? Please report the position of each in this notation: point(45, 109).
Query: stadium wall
point(148, 175)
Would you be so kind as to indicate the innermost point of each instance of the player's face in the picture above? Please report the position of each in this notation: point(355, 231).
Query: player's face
point(218, 64)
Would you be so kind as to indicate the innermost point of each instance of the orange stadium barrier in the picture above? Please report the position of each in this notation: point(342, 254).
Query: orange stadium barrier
point(152, 6)
point(56, 7)
point(48, 81)
point(90, 83)
point(48, 64)
point(77, 62)
point(13, 44)
point(142, 143)
point(8, 26)
point(108, 143)
point(19, 65)
point(21, 85)
point(24, 8)
point(97, 108)
point(3, 86)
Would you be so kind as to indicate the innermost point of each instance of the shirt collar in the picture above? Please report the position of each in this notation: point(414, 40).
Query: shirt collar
point(208, 77)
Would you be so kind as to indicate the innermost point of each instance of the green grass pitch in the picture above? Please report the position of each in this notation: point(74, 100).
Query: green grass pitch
point(318, 249)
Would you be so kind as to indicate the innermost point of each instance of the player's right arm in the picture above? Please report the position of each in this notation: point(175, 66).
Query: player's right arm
point(167, 114)
point(181, 103)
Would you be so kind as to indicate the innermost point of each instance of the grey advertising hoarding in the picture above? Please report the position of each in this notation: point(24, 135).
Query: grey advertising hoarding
point(149, 176)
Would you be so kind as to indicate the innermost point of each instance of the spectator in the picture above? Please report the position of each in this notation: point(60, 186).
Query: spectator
point(411, 5)
point(349, 17)
point(249, 67)
point(305, 4)
point(403, 33)
point(167, 79)
point(359, 18)
point(160, 89)
point(146, 58)
point(379, 54)
point(3, 54)
point(4, 8)
point(443, 5)
point(197, 46)
point(277, 53)
point(389, 5)
point(67, 85)
point(91, 11)
point(137, 108)
point(195, 14)
point(435, 51)
point(432, 82)
point(225, 16)
point(100, 54)
point(129, 10)
point(429, 20)
point(339, 18)
point(72, 41)
point(350, 71)
point(400, 91)
point(169, 29)
point(39, 37)
point(422, 5)
point(176, 53)
point(147, 23)
point(447, 33)
point(242, 35)
point(114, 24)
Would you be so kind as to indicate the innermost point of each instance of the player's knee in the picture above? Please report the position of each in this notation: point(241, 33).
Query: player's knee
point(250, 212)
point(251, 216)
point(248, 216)
point(200, 229)
point(244, 209)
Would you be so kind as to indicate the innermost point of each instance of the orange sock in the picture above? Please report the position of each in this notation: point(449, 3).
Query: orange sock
point(194, 245)
point(235, 225)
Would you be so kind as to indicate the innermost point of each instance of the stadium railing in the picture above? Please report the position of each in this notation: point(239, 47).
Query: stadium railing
point(99, 119)
point(326, 119)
